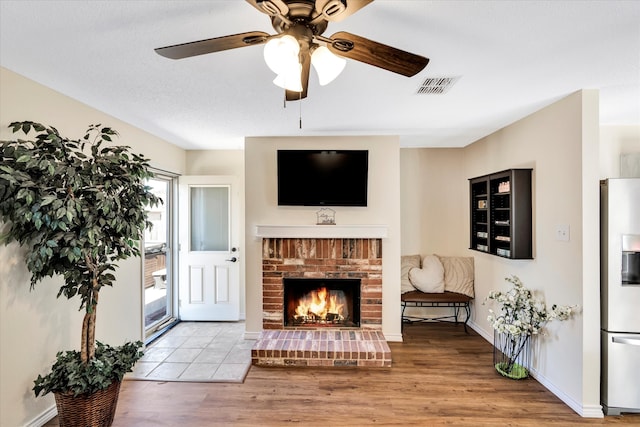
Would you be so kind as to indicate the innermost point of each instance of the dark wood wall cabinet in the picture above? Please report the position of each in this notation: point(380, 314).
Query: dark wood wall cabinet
point(501, 214)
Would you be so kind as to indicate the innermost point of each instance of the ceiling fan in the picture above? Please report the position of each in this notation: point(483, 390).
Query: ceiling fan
point(299, 43)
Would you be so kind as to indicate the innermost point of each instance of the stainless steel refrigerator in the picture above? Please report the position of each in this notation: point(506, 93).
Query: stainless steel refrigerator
point(620, 294)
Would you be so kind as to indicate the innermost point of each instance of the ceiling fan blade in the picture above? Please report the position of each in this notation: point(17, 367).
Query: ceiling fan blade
point(270, 7)
point(186, 50)
point(377, 54)
point(306, 67)
point(337, 10)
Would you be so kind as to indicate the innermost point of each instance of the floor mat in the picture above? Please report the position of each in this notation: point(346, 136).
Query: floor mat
point(197, 352)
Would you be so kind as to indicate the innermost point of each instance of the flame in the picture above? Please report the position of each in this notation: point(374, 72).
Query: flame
point(321, 303)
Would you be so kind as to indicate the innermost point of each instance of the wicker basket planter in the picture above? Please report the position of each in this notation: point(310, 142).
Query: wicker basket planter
point(94, 410)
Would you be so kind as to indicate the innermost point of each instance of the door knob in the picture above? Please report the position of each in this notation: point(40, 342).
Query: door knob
point(232, 259)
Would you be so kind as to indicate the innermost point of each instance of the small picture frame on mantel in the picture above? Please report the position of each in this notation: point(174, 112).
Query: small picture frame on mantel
point(326, 216)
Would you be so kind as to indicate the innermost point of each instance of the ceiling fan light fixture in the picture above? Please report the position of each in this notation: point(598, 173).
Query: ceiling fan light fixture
point(291, 52)
point(290, 79)
point(281, 53)
point(327, 65)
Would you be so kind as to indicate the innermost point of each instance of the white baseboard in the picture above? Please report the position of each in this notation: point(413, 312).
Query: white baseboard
point(43, 418)
point(585, 411)
point(251, 335)
point(592, 411)
point(393, 337)
point(484, 334)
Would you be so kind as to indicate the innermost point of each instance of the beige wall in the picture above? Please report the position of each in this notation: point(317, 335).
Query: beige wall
point(560, 143)
point(215, 162)
point(383, 208)
point(34, 325)
point(434, 193)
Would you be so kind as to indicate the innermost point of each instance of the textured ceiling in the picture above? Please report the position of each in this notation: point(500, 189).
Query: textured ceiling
point(511, 57)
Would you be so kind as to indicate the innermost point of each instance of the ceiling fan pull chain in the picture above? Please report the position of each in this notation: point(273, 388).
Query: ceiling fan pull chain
point(300, 101)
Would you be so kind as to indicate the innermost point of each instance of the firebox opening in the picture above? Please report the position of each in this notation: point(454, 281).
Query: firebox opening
point(321, 302)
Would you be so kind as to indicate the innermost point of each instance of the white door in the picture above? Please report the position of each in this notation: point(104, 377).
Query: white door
point(209, 278)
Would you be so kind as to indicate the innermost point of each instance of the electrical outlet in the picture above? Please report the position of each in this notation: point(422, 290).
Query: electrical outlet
point(562, 233)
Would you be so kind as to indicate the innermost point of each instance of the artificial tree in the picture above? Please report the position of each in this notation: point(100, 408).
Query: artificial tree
point(79, 207)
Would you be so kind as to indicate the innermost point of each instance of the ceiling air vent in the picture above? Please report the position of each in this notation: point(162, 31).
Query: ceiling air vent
point(437, 85)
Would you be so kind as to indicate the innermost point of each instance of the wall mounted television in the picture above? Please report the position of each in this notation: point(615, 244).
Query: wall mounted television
point(323, 177)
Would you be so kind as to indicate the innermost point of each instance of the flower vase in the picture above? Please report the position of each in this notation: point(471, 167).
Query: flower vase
point(511, 354)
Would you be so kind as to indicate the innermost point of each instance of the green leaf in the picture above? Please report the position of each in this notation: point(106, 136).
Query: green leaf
point(47, 200)
point(68, 373)
point(9, 178)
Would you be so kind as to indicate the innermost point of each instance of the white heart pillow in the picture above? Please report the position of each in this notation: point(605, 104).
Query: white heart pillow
point(429, 278)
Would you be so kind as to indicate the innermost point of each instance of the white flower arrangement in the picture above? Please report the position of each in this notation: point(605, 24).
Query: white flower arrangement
point(521, 316)
point(520, 313)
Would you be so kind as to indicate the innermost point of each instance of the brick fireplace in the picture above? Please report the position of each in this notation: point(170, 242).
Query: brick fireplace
point(284, 258)
point(322, 258)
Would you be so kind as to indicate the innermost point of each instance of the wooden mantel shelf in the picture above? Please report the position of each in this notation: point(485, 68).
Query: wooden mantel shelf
point(322, 231)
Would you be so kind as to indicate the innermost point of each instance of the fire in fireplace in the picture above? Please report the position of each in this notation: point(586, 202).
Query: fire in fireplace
point(313, 303)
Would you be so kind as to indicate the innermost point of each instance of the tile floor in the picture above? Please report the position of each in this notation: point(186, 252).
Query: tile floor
point(197, 351)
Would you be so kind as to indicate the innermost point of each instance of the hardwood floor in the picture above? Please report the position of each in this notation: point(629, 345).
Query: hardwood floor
point(440, 376)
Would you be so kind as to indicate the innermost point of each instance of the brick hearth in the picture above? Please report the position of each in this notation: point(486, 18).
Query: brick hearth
point(321, 348)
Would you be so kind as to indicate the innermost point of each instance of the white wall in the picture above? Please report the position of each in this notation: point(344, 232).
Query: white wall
point(590, 256)
point(615, 141)
point(383, 208)
point(34, 325)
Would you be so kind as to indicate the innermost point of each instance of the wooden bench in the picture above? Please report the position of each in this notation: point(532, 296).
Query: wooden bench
point(446, 299)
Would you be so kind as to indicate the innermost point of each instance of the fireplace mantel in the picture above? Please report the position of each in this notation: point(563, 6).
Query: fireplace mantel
point(322, 231)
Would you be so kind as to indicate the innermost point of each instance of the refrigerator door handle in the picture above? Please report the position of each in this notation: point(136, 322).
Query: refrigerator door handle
point(623, 340)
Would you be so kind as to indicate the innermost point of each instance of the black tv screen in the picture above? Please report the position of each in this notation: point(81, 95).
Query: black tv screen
point(323, 177)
